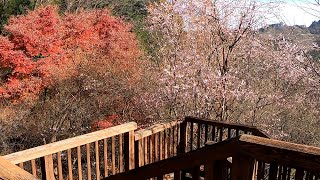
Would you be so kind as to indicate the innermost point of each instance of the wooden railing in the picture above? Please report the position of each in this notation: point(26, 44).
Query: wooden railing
point(81, 157)
point(13, 172)
point(196, 132)
point(301, 162)
point(193, 147)
point(156, 143)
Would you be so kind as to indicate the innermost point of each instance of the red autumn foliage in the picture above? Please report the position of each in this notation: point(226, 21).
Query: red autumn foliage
point(103, 124)
point(43, 47)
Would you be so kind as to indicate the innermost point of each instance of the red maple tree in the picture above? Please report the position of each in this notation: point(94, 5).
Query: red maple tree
point(43, 47)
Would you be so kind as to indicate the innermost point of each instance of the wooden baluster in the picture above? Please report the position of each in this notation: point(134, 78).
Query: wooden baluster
point(199, 136)
point(129, 150)
point(79, 162)
point(260, 174)
point(69, 164)
point(214, 133)
point(299, 174)
point(96, 145)
point(273, 171)
point(182, 147)
point(151, 140)
point(284, 173)
point(229, 133)
point(137, 152)
point(47, 167)
point(205, 134)
point(141, 152)
point(165, 144)
point(88, 161)
point(121, 154)
point(156, 147)
point(59, 166)
point(34, 167)
point(174, 132)
point(169, 142)
point(289, 174)
point(242, 167)
point(191, 136)
point(178, 139)
point(146, 151)
point(113, 155)
point(105, 157)
point(161, 145)
point(221, 134)
point(237, 132)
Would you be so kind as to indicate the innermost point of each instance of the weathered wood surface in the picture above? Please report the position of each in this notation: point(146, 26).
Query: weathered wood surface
point(9, 171)
point(48, 149)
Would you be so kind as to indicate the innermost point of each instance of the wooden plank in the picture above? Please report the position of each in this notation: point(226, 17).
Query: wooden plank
point(59, 166)
point(40, 151)
point(121, 153)
point(88, 161)
point(105, 157)
point(10, 171)
point(129, 150)
point(79, 163)
point(113, 155)
point(34, 167)
point(96, 145)
point(69, 164)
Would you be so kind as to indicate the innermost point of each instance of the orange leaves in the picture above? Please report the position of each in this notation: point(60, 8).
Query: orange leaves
point(43, 47)
point(103, 124)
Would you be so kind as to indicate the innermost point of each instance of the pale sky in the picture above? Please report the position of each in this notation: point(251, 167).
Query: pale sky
point(295, 12)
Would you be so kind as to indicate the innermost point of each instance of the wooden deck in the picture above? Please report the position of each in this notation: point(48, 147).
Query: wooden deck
point(178, 150)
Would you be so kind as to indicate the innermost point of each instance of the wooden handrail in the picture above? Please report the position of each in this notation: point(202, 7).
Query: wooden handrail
point(12, 172)
point(283, 153)
point(44, 150)
point(154, 129)
point(247, 146)
point(222, 150)
point(252, 129)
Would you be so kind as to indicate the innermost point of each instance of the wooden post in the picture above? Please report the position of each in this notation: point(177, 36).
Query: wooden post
point(129, 150)
point(242, 167)
point(182, 147)
point(137, 153)
point(47, 167)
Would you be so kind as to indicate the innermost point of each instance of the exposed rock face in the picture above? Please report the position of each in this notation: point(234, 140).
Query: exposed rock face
point(314, 28)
